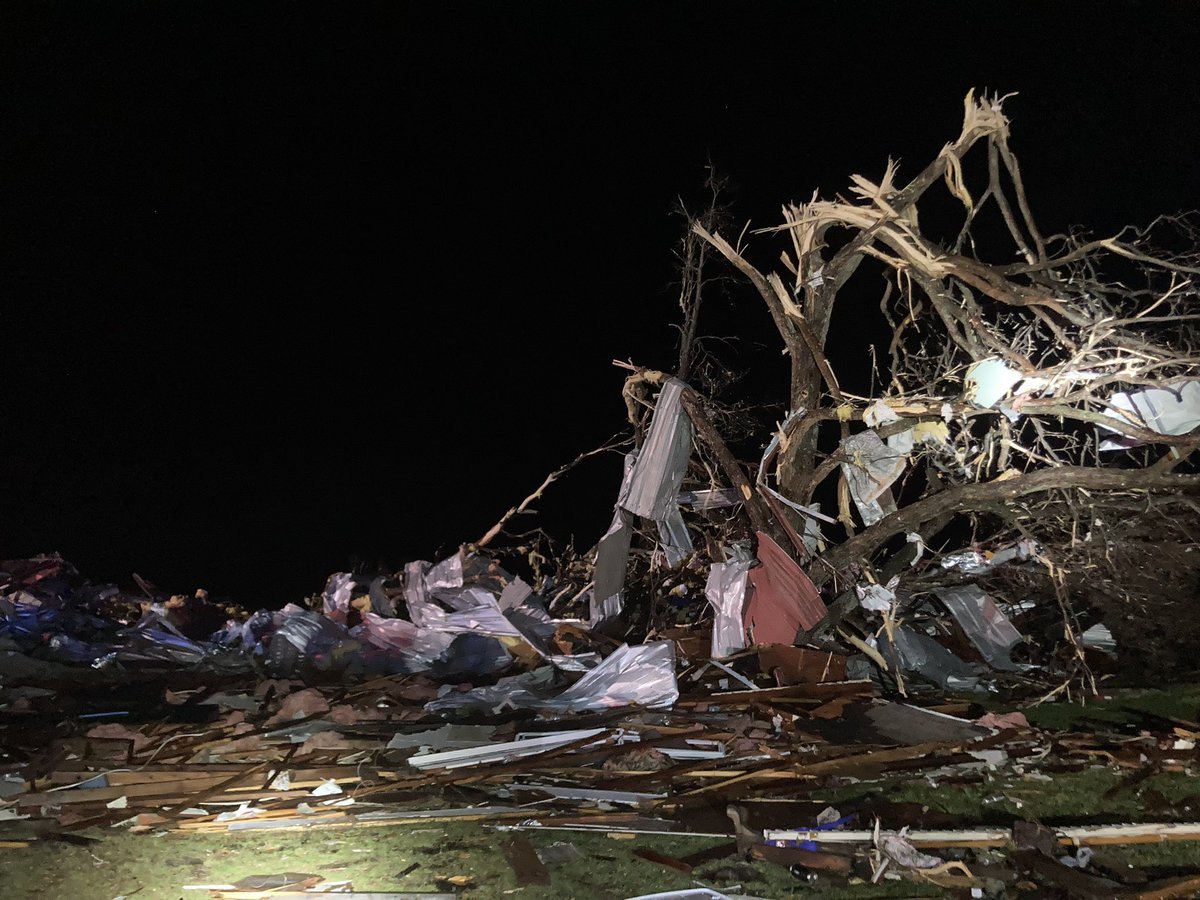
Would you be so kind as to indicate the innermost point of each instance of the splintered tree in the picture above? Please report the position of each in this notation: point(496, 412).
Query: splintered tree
point(1035, 389)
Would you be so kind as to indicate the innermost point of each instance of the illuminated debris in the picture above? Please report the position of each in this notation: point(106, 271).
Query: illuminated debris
point(783, 599)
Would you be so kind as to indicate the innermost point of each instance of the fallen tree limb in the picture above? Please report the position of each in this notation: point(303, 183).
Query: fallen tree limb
point(970, 497)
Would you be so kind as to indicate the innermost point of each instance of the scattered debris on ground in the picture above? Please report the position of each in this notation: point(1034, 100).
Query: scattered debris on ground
point(762, 657)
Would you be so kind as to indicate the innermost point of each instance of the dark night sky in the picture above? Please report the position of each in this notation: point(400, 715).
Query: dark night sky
point(287, 284)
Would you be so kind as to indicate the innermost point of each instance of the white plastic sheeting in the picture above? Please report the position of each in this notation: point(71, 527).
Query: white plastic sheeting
point(877, 597)
point(726, 592)
point(642, 675)
point(1173, 409)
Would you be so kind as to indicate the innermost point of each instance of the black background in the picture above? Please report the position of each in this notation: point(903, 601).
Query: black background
point(287, 286)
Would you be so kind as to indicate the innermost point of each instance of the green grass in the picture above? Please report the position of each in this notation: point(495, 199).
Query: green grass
point(1178, 701)
point(146, 867)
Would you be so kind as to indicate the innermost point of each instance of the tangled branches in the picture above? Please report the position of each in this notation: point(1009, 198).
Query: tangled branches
point(1050, 382)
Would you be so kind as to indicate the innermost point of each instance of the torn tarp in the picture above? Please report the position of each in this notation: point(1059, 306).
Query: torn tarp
point(784, 599)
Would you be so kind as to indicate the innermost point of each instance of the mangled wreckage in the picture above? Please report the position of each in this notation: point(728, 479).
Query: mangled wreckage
point(1010, 515)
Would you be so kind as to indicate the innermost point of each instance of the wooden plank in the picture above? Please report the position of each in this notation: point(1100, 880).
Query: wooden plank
point(298, 777)
point(104, 795)
point(796, 693)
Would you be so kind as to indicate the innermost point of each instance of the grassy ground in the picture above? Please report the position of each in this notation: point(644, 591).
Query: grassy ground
point(156, 868)
point(1120, 706)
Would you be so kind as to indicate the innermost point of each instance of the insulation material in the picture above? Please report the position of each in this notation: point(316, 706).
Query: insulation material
point(871, 468)
point(783, 599)
point(879, 413)
point(984, 624)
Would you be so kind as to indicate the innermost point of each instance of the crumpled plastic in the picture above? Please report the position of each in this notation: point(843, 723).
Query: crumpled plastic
point(922, 654)
point(871, 469)
point(985, 625)
point(338, 590)
point(877, 597)
point(419, 646)
point(523, 691)
point(307, 639)
point(898, 849)
point(642, 675)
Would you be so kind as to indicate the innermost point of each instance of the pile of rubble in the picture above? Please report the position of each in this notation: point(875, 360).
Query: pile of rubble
point(460, 691)
point(1009, 504)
